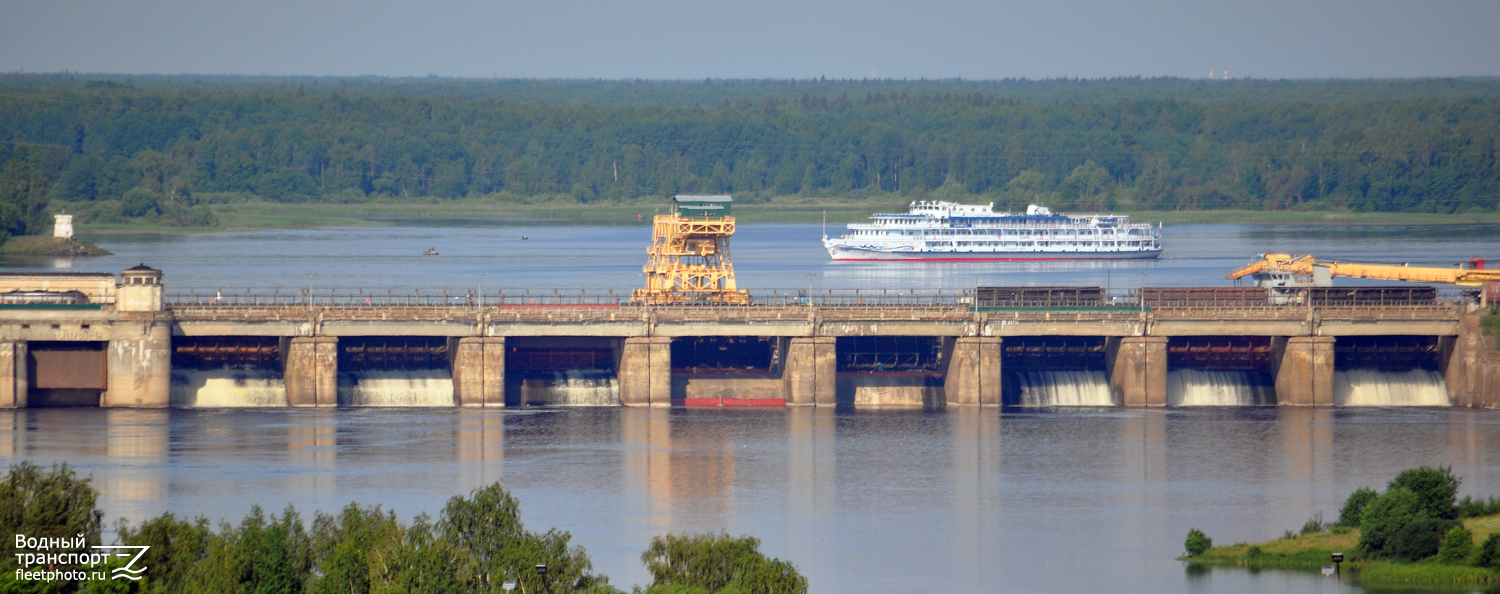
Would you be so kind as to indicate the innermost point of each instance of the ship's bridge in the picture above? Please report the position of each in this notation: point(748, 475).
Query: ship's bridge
point(933, 208)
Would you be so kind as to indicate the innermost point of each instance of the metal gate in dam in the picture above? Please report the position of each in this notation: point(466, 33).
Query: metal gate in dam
point(85, 339)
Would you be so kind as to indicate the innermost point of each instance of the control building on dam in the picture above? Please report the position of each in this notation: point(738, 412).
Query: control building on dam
point(86, 339)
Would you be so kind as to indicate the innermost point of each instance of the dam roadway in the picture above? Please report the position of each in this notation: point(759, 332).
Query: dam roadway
point(865, 348)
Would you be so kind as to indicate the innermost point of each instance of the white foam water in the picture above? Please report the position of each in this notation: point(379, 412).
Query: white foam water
point(1368, 387)
point(400, 387)
point(1198, 387)
point(574, 387)
point(228, 387)
point(1083, 387)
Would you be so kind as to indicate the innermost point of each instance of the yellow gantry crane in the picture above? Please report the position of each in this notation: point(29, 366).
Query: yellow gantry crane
point(689, 255)
point(1308, 271)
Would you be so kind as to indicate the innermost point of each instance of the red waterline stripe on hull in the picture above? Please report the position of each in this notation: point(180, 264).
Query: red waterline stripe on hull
point(978, 259)
point(715, 402)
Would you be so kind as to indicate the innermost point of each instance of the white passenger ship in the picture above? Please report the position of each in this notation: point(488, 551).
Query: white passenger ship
point(951, 231)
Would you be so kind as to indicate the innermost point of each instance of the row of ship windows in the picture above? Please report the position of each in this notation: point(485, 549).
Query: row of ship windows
point(992, 232)
point(1027, 244)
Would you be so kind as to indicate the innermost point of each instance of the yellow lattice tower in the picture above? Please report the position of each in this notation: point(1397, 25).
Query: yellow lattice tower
point(689, 255)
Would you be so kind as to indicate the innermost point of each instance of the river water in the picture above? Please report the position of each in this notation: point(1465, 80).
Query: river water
point(766, 256)
point(1026, 500)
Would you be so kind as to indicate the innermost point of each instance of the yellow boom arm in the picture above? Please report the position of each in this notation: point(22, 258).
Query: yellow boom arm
point(1417, 274)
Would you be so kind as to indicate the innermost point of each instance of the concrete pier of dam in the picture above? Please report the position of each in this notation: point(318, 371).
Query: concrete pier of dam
point(132, 343)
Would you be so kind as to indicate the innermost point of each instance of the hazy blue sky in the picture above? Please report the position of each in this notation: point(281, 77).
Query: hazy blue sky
point(761, 39)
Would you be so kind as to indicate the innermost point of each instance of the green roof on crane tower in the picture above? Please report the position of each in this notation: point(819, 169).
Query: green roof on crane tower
point(701, 206)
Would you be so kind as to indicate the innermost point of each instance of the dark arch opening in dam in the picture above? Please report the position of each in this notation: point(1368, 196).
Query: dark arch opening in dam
point(228, 371)
point(1220, 371)
point(1055, 371)
point(1395, 370)
point(395, 371)
point(890, 371)
point(561, 371)
point(66, 374)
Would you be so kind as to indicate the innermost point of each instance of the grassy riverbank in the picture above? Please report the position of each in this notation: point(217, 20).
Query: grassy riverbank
point(786, 209)
point(47, 245)
point(1310, 552)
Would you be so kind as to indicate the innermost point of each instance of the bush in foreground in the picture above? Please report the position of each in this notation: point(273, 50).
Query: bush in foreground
point(1457, 545)
point(1387, 515)
point(718, 563)
point(1489, 553)
point(1436, 488)
point(1197, 542)
point(1354, 507)
point(1419, 540)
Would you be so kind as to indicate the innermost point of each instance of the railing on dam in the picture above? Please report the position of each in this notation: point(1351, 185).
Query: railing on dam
point(414, 297)
point(355, 297)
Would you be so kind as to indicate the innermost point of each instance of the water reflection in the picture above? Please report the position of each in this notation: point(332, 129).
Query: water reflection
point(646, 434)
point(136, 442)
point(961, 500)
point(479, 441)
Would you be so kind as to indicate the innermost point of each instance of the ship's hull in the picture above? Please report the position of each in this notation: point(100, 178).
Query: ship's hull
point(845, 253)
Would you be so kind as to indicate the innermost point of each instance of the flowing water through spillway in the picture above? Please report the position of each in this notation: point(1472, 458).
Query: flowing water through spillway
point(1368, 387)
point(574, 387)
point(1083, 387)
point(228, 387)
point(403, 387)
point(1197, 387)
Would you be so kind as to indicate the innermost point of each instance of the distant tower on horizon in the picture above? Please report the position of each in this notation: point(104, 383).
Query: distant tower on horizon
point(1226, 74)
point(62, 226)
point(1210, 74)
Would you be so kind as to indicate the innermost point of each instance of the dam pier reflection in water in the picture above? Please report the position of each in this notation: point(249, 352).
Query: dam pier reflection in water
point(945, 500)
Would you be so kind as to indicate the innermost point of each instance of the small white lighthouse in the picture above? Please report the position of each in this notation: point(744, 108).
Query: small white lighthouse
point(62, 226)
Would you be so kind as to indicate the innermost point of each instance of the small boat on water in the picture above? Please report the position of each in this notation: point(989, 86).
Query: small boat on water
point(932, 230)
point(430, 252)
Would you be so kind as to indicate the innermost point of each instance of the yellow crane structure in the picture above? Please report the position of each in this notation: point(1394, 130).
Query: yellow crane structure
point(1285, 270)
point(689, 255)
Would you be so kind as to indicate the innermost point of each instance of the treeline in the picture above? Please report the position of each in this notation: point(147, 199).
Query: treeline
point(477, 544)
point(718, 92)
point(163, 152)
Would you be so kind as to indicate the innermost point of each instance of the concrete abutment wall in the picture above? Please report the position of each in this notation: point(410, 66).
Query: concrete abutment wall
point(646, 371)
point(811, 371)
point(1471, 367)
point(1137, 367)
point(1303, 367)
point(479, 371)
point(312, 369)
point(140, 362)
point(973, 374)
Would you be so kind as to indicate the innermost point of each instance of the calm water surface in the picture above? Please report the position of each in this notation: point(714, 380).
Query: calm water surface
point(953, 501)
point(766, 256)
point(869, 501)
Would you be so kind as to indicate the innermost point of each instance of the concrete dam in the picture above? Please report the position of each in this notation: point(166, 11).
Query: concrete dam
point(87, 339)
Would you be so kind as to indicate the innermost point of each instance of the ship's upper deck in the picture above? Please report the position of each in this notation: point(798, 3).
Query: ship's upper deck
point(936, 214)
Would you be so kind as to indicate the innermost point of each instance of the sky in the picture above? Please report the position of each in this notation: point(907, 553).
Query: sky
point(695, 39)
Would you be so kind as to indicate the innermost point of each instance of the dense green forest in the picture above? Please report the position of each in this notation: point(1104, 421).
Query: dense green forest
point(166, 148)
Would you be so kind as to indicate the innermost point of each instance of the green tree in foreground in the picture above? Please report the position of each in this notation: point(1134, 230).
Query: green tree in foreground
point(718, 563)
point(477, 544)
point(1437, 489)
point(1457, 545)
point(1489, 553)
point(55, 505)
point(1197, 543)
point(1354, 506)
point(1387, 515)
point(1419, 540)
